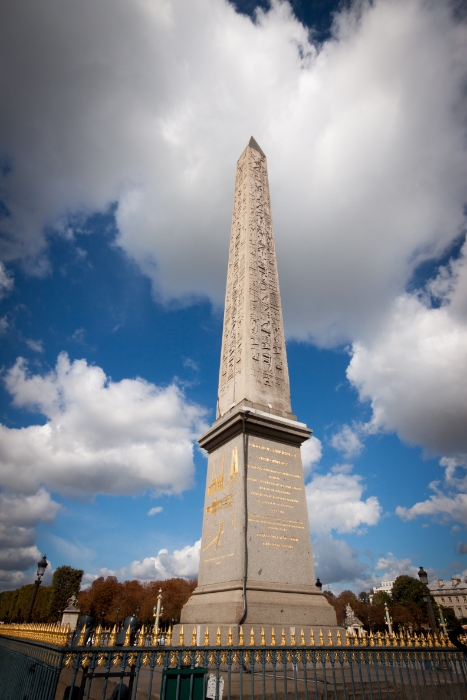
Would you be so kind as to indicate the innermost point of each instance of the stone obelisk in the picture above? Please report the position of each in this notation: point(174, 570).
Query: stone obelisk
point(256, 565)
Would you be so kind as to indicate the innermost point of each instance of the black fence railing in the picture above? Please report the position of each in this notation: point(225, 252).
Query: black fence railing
point(36, 671)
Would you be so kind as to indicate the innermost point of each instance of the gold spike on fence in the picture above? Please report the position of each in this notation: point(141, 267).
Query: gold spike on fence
point(218, 637)
point(50, 634)
point(193, 638)
point(302, 638)
point(273, 637)
point(283, 641)
point(230, 638)
point(252, 638)
point(206, 637)
point(241, 640)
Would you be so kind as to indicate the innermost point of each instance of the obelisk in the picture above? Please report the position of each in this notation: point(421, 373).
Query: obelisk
point(256, 565)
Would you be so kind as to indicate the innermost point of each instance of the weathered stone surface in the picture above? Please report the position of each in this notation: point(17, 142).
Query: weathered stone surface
point(253, 358)
point(256, 563)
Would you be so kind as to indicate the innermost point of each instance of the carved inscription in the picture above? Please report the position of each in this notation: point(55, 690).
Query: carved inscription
point(253, 357)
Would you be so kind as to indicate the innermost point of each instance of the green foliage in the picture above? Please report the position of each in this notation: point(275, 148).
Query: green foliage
point(364, 597)
point(407, 589)
point(381, 597)
point(14, 605)
point(65, 582)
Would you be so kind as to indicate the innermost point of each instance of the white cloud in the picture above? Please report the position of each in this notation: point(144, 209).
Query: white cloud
point(6, 281)
point(414, 372)
point(311, 453)
point(347, 441)
point(365, 140)
point(182, 563)
point(335, 502)
point(391, 567)
point(19, 515)
point(100, 436)
point(440, 505)
point(155, 510)
point(35, 345)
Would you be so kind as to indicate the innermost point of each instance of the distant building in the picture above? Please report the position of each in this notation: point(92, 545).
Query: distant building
point(452, 594)
point(386, 587)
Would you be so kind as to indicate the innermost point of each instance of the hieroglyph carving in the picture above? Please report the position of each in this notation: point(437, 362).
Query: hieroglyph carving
point(253, 358)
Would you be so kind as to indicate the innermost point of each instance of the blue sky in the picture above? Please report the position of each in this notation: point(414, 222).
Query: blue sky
point(118, 147)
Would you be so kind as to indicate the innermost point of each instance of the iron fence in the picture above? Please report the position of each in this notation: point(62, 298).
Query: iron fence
point(30, 670)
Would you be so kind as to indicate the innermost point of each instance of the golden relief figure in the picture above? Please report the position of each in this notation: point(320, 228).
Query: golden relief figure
point(234, 464)
point(216, 505)
point(218, 482)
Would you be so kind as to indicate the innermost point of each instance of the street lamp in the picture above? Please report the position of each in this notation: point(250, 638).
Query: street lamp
point(423, 576)
point(157, 614)
point(41, 567)
point(319, 585)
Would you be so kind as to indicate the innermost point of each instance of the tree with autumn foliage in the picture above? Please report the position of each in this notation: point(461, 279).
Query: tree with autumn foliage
point(109, 600)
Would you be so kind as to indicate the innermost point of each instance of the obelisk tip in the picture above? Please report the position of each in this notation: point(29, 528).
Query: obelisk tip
point(254, 145)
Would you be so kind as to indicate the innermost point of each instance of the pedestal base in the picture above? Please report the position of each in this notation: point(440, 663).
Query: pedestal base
point(287, 607)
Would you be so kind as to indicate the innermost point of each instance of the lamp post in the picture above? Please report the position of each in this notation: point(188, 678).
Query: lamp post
point(41, 567)
point(442, 623)
point(388, 620)
point(319, 585)
point(423, 576)
point(157, 614)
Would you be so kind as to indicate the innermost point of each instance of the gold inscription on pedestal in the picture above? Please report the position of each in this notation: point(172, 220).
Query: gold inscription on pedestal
point(217, 559)
point(217, 538)
point(271, 449)
point(234, 464)
point(274, 471)
point(218, 482)
point(216, 505)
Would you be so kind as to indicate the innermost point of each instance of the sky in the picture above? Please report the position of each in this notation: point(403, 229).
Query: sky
point(120, 129)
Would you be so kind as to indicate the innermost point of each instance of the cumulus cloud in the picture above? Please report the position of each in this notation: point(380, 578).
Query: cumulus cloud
point(347, 441)
point(18, 517)
point(182, 563)
point(311, 451)
point(155, 510)
point(99, 436)
point(392, 567)
point(335, 502)
point(449, 498)
point(151, 109)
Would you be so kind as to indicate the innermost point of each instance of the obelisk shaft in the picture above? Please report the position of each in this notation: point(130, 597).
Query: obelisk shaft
point(253, 357)
point(256, 564)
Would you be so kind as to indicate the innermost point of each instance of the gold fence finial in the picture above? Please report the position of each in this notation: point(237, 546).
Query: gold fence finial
point(321, 638)
point(97, 639)
point(273, 637)
point(241, 640)
point(347, 638)
point(293, 642)
point(339, 640)
point(169, 636)
point(142, 636)
point(302, 638)
point(113, 636)
point(263, 638)
point(193, 637)
point(252, 637)
point(127, 641)
point(230, 638)
point(206, 637)
point(330, 642)
point(82, 637)
point(181, 641)
point(218, 637)
point(312, 638)
point(283, 640)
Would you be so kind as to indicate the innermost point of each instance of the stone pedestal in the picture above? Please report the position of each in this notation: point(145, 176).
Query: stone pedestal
point(71, 614)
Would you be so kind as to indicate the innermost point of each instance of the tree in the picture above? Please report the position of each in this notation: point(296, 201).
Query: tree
point(407, 589)
point(364, 597)
point(65, 583)
point(381, 597)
